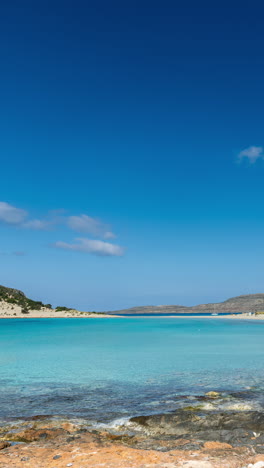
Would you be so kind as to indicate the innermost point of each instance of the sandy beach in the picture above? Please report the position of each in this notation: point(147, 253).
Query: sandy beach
point(14, 311)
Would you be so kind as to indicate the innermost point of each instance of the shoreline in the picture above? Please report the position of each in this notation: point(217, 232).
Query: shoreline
point(163, 442)
point(48, 314)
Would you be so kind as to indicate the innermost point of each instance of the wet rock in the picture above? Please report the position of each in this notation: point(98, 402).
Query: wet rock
point(38, 417)
point(213, 395)
point(183, 422)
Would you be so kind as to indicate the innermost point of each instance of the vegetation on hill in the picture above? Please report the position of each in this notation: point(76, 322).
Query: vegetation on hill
point(16, 297)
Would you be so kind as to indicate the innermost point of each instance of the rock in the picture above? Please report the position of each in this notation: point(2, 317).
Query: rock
point(217, 446)
point(56, 457)
point(181, 423)
point(30, 435)
point(4, 445)
point(259, 449)
point(213, 394)
point(191, 447)
point(38, 417)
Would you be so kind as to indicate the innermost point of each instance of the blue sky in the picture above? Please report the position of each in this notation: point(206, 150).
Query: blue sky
point(131, 151)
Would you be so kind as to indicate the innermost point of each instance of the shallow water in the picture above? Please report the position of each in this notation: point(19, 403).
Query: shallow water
point(105, 369)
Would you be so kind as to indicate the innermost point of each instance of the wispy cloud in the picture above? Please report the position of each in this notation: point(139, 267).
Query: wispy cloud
point(88, 225)
point(37, 224)
point(83, 223)
point(96, 247)
point(252, 154)
point(18, 217)
point(11, 215)
point(17, 253)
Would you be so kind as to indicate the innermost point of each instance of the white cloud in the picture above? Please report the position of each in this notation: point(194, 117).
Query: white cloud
point(96, 247)
point(11, 215)
point(37, 224)
point(88, 225)
point(17, 217)
point(252, 153)
point(20, 218)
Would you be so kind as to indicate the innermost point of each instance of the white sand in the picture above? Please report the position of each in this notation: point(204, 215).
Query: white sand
point(14, 311)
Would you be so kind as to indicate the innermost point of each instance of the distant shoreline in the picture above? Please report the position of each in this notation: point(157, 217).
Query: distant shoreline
point(52, 314)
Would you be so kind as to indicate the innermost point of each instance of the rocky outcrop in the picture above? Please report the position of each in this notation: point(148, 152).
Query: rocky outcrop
point(61, 443)
point(236, 428)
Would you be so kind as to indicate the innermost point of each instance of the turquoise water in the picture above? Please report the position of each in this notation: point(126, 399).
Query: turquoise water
point(104, 369)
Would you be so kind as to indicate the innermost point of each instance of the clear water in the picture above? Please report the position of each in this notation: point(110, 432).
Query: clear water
point(104, 369)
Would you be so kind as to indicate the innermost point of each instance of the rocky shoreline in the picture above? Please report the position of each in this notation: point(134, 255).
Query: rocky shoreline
point(183, 438)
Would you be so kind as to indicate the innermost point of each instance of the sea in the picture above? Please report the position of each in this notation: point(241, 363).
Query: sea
point(104, 370)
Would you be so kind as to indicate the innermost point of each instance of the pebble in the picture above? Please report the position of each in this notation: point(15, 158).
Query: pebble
point(69, 464)
point(56, 457)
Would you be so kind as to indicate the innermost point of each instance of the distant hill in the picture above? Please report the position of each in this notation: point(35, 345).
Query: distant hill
point(15, 304)
point(17, 297)
point(247, 303)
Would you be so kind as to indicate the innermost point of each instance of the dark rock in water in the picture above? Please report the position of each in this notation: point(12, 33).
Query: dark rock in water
point(236, 428)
